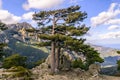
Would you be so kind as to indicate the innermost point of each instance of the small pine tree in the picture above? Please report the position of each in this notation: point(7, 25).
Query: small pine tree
point(14, 60)
point(118, 63)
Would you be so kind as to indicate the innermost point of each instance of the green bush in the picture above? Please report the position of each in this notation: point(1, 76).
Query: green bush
point(118, 63)
point(14, 60)
point(118, 52)
point(19, 71)
point(77, 63)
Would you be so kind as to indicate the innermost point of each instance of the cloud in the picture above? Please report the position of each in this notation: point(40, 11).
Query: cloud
point(106, 17)
point(8, 18)
point(112, 27)
point(41, 4)
point(28, 16)
point(75, 2)
point(110, 35)
point(112, 21)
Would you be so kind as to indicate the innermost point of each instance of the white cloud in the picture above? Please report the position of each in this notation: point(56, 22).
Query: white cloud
point(75, 2)
point(112, 21)
point(106, 17)
point(41, 4)
point(28, 16)
point(112, 27)
point(110, 35)
point(8, 18)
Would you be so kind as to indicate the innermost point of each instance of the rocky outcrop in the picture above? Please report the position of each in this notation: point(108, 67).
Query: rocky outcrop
point(42, 72)
point(17, 32)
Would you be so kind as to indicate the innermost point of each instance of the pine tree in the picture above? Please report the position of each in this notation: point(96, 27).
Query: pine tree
point(14, 60)
point(118, 52)
point(60, 29)
point(118, 62)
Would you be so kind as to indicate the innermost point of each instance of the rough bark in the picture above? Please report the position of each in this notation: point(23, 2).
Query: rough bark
point(53, 50)
point(53, 57)
point(57, 56)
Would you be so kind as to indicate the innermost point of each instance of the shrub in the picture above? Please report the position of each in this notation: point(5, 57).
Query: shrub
point(118, 63)
point(77, 63)
point(14, 60)
point(118, 52)
point(19, 71)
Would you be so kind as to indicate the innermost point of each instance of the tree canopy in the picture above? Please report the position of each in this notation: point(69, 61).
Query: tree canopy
point(60, 29)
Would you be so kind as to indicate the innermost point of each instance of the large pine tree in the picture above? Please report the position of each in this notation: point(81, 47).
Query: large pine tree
point(60, 29)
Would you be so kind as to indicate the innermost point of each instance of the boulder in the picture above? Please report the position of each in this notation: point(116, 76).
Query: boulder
point(94, 69)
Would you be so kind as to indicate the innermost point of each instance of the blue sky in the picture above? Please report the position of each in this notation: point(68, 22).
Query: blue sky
point(103, 15)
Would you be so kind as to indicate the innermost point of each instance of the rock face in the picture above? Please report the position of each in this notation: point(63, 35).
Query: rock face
point(13, 32)
point(42, 72)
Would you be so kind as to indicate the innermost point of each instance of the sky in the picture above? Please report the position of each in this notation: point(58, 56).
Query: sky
point(103, 16)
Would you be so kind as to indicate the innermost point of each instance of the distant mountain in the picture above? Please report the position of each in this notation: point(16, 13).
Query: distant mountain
point(109, 55)
point(19, 26)
point(106, 51)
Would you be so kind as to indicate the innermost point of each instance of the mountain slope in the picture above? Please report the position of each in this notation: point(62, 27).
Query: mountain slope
point(16, 44)
point(109, 55)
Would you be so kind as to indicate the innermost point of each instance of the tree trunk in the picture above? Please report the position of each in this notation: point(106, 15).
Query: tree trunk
point(52, 57)
point(53, 49)
point(57, 56)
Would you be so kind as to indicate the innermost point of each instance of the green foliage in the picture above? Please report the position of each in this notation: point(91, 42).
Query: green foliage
point(2, 26)
point(19, 71)
point(30, 30)
point(33, 53)
point(118, 63)
point(77, 63)
point(92, 56)
point(14, 60)
point(2, 52)
point(63, 33)
point(118, 52)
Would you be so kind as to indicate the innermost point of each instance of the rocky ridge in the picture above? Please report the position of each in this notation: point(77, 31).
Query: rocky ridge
point(42, 72)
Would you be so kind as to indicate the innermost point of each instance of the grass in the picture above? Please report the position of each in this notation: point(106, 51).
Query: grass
point(19, 72)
